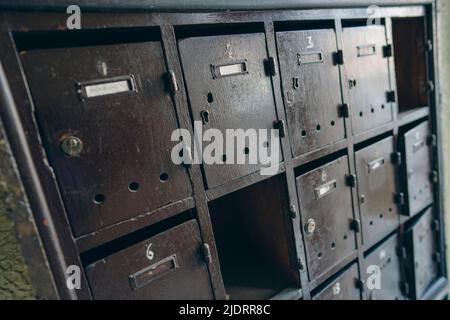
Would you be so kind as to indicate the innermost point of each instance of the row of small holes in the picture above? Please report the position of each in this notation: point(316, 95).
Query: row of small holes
point(371, 110)
point(246, 151)
point(318, 128)
point(132, 187)
point(381, 216)
point(333, 246)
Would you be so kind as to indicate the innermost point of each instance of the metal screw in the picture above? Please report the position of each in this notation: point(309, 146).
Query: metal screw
point(310, 226)
point(72, 146)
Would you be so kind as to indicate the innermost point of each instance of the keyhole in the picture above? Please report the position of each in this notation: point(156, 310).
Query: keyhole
point(295, 83)
point(205, 116)
point(351, 83)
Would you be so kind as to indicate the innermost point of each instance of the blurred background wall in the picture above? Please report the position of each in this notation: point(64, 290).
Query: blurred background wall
point(443, 7)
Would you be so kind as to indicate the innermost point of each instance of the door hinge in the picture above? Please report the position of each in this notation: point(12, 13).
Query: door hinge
point(390, 95)
point(293, 211)
point(351, 180)
point(355, 225)
point(387, 51)
point(172, 81)
point(434, 178)
point(343, 111)
point(281, 127)
point(359, 284)
point(437, 257)
point(206, 249)
point(399, 199)
point(432, 140)
point(401, 253)
point(396, 158)
point(270, 66)
point(300, 264)
point(405, 288)
point(339, 57)
point(429, 45)
point(186, 155)
point(435, 225)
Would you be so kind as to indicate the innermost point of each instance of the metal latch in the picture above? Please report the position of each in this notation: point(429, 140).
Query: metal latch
point(355, 225)
point(281, 127)
point(396, 158)
point(390, 96)
point(339, 57)
point(344, 111)
point(207, 253)
point(351, 180)
point(387, 51)
point(173, 84)
point(399, 198)
point(270, 66)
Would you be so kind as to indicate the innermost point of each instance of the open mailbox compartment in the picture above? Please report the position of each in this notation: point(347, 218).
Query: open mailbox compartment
point(410, 56)
point(254, 240)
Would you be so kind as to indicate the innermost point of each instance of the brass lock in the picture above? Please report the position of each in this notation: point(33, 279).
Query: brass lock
point(310, 226)
point(72, 146)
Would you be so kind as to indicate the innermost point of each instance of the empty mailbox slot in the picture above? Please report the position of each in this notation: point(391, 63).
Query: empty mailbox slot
point(367, 50)
point(252, 238)
point(105, 87)
point(309, 57)
point(153, 272)
point(232, 69)
point(375, 164)
point(410, 56)
point(325, 189)
point(418, 145)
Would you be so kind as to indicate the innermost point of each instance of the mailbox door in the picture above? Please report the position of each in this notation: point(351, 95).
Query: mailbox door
point(421, 244)
point(418, 168)
point(228, 88)
point(106, 122)
point(368, 77)
point(311, 88)
point(385, 260)
point(326, 210)
point(344, 287)
point(376, 190)
point(164, 267)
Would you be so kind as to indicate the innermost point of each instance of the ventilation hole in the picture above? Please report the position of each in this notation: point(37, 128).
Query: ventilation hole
point(372, 110)
point(266, 144)
point(246, 150)
point(381, 216)
point(332, 123)
point(163, 177)
point(303, 133)
point(333, 245)
point(133, 187)
point(99, 198)
point(390, 209)
point(318, 127)
point(345, 237)
point(209, 97)
point(382, 106)
point(319, 255)
point(361, 114)
point(371, 223)
point(224, 158)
